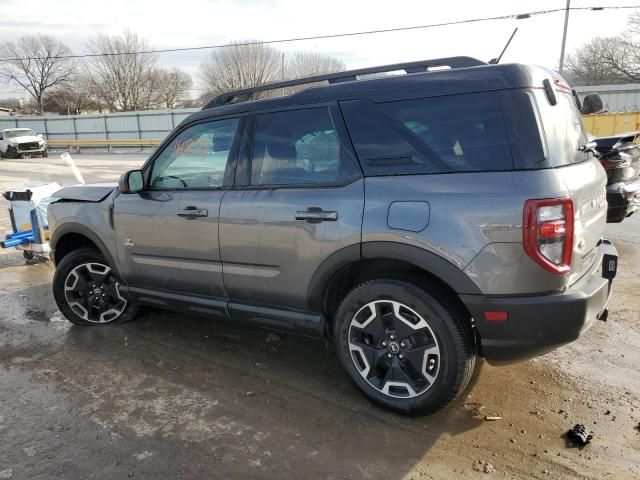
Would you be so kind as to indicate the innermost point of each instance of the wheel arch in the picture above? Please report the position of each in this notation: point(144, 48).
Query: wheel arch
point(355, 264)
point(71, 236)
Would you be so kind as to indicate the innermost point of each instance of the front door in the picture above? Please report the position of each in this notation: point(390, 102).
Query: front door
point(302, 200)
point(167, 235)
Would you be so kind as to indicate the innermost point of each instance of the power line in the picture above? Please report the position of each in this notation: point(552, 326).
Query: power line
point(516, 16)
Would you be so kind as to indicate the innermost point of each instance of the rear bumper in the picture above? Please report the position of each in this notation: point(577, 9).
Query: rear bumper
point(538, 324)
point(623, 199)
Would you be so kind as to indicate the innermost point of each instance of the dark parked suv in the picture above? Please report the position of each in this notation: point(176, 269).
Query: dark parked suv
point(620, 157)
point(417, 220)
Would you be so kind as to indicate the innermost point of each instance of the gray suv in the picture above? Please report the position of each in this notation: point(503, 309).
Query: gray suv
point(418, 221)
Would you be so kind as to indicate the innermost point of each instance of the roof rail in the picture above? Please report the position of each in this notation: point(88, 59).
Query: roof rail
point(243, 95)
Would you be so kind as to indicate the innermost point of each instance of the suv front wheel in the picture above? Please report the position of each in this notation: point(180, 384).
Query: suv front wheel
point(87, 292)
point(408, 349)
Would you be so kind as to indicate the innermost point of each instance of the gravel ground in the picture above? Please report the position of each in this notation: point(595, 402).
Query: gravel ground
point(174, 396)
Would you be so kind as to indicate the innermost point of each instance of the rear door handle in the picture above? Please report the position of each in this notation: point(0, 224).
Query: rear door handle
point(316, 215)
point(192, 211)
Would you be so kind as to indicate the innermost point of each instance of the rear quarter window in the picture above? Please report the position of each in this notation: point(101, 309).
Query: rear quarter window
point(459, 133)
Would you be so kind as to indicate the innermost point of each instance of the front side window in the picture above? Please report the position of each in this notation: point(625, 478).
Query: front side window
point(296, 147)
point(196, 158)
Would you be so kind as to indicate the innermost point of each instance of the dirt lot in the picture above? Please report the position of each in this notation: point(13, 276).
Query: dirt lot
point(173, 396)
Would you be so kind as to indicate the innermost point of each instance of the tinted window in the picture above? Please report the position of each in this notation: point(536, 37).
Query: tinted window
point(196, 158)
point(524, 128)
point(562, 127)
point(296, 147)
point(435, 135)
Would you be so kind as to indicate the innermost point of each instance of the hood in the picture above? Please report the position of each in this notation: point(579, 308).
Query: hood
point(25, 139)
point(93, 192)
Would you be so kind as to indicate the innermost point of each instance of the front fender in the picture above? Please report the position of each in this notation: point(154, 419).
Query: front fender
point(92, 220)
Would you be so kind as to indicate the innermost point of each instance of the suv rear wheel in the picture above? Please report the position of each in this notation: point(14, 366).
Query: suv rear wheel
point(406, 348)
point(87, 292)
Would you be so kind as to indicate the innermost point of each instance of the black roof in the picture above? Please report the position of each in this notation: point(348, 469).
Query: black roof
point(479, 77)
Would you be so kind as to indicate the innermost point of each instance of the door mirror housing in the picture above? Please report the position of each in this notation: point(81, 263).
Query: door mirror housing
point(131, 182)
point(40, 135)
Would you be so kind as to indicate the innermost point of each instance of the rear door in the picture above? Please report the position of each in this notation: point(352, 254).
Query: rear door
point(167, 235)
point(298, 199)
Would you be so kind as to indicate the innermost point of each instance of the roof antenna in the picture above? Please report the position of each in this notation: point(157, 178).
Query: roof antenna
point(495, 61)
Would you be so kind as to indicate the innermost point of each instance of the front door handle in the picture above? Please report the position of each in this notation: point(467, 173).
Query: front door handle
point(316, 215)
point(192, 211)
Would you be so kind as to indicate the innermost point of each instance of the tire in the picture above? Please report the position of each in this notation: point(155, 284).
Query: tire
point(45, 153)
point(408, 349)
point(87, 292)
point(28, 254)
point(11, 152)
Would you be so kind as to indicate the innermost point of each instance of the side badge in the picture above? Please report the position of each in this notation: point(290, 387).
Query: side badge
point(129, 243)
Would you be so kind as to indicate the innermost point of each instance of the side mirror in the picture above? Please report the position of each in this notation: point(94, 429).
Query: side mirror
point(131, 182)
point(40, 135)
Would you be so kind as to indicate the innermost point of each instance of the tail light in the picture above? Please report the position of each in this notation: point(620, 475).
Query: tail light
point(548, 233)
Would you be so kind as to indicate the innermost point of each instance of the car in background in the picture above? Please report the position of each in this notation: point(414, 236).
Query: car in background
point(620, 157)
point(22, 142)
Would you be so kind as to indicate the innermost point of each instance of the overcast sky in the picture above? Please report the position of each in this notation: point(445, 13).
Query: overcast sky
point(188, 23)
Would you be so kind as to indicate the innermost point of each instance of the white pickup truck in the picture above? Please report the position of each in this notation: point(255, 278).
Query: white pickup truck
point(21, 142)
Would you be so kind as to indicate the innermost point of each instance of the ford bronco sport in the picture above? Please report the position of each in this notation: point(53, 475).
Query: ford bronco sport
point(419, 221)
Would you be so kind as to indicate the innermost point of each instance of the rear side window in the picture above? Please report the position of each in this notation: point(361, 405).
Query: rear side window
point(460, 133)
point(296, 147)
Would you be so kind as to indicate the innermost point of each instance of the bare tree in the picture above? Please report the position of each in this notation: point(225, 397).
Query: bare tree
point(308, 64)
point(122, 73)
point(25, 106)
point(599, 61)
point(240, 66)
point(609, 59)
point(633, 24)
point(301, 65)
point(172, 87)
point(36, 63)
point(74, 97)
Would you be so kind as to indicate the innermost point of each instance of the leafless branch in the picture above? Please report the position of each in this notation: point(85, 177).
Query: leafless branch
point(39, 65)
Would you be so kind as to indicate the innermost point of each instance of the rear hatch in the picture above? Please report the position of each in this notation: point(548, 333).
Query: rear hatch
point(580, 171)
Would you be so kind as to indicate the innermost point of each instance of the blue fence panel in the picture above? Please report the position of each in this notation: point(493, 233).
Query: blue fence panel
point(147, 124)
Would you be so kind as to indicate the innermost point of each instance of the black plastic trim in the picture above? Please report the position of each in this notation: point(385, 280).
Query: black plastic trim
point(298, 321)
point(326, 271)
point(80, 229)
point(540, 323)
point(432, 263)
point(179, 301)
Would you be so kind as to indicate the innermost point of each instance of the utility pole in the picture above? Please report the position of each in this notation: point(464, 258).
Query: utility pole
point(282, 71)
point(564, 35)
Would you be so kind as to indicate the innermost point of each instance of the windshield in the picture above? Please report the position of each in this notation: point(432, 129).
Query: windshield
point(20, 132)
